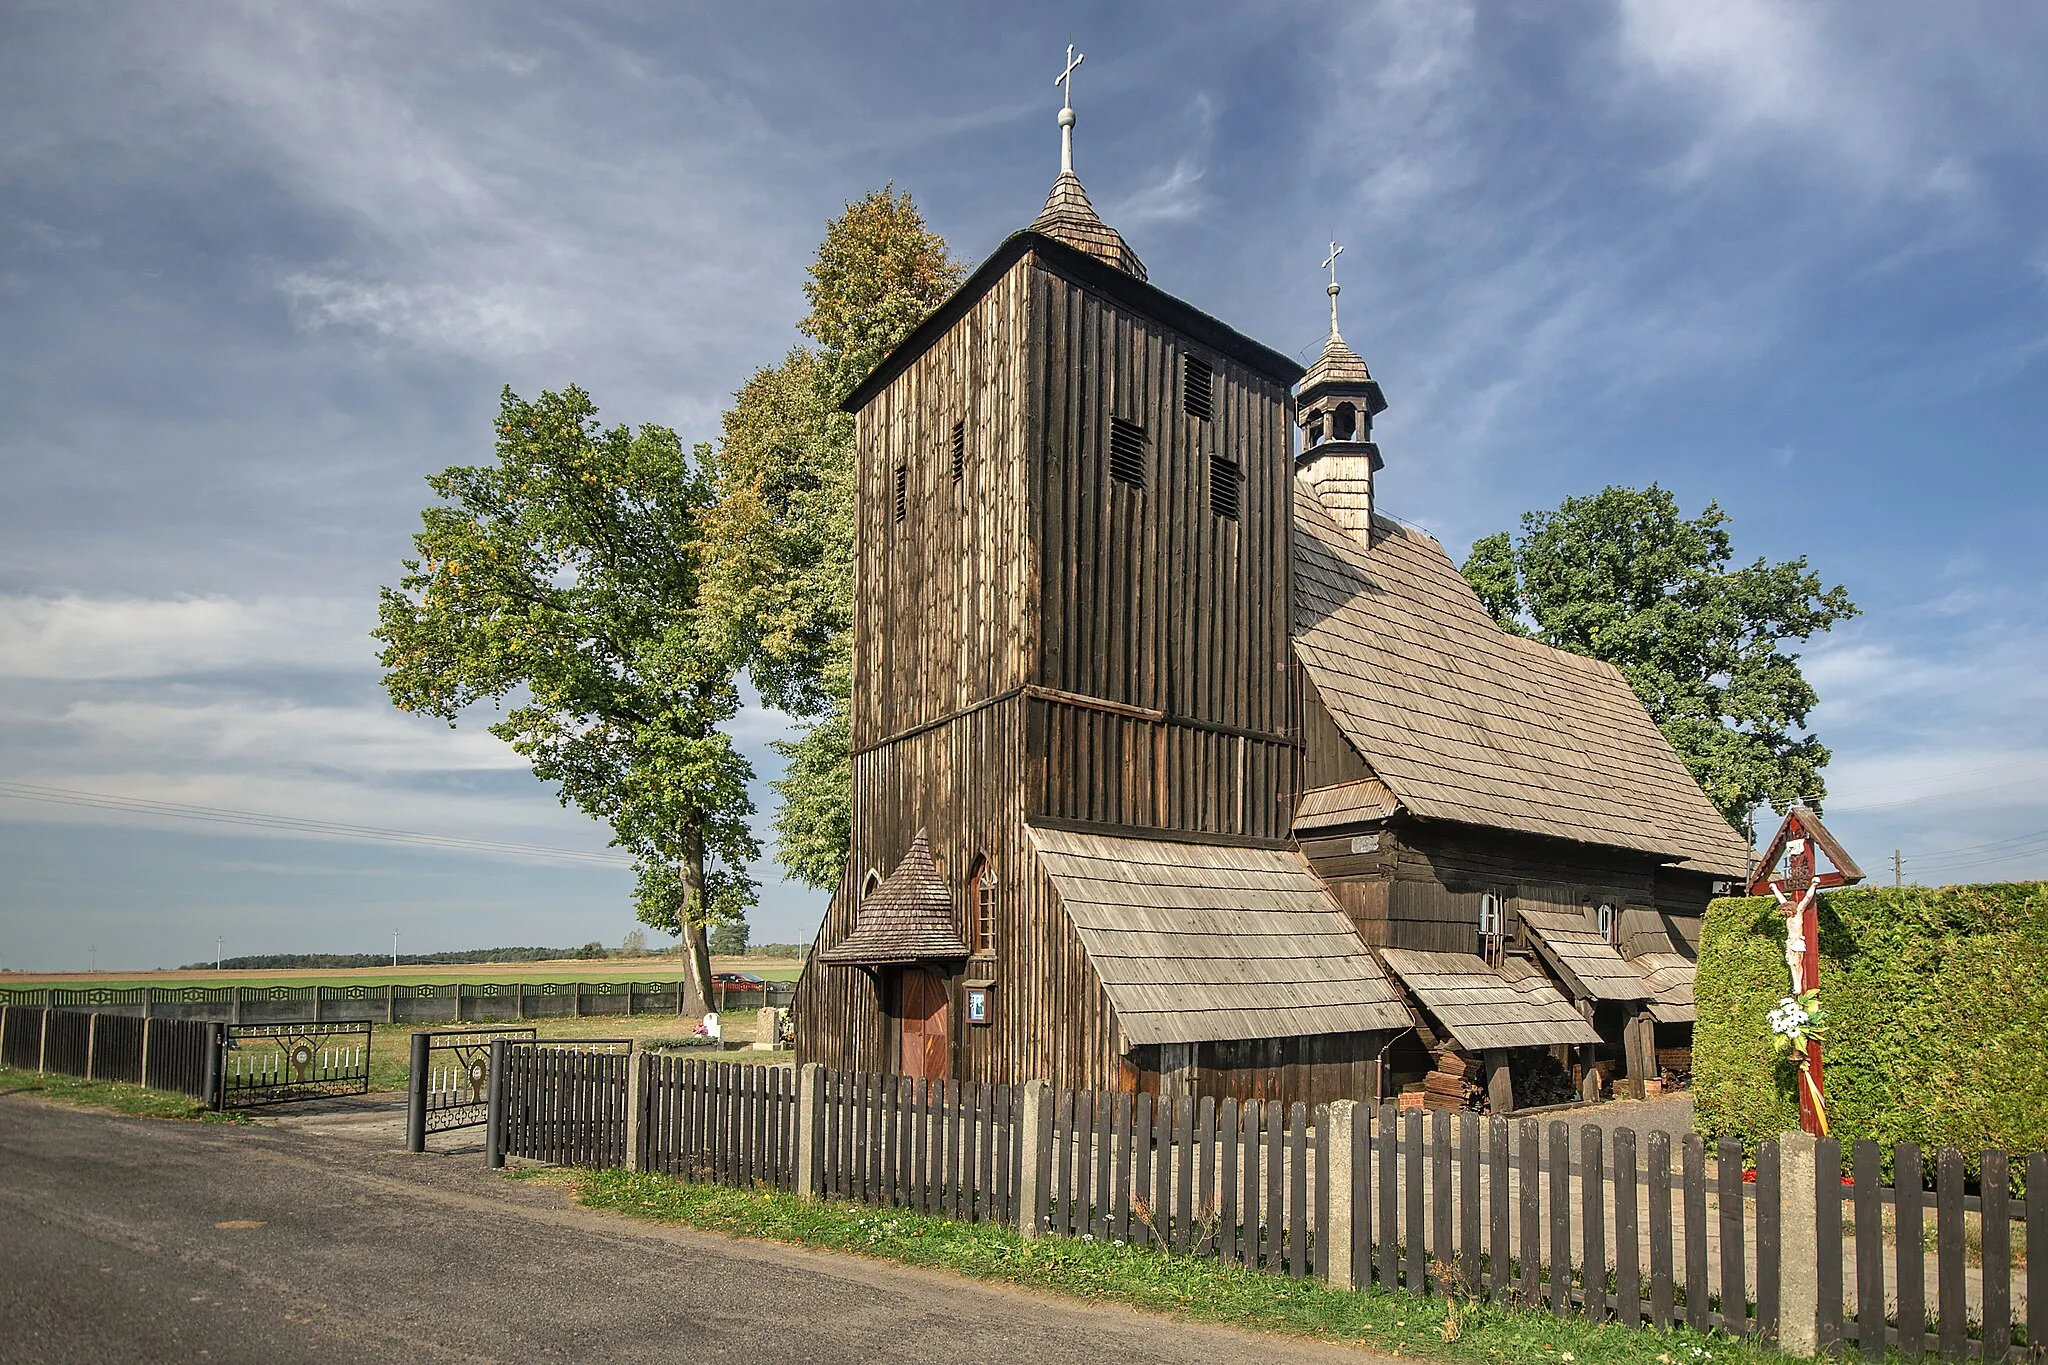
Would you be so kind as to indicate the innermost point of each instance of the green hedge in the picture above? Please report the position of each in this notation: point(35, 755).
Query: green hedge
point(1937, 1011)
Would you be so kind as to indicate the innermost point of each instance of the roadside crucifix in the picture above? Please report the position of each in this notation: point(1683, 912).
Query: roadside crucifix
point(1797, 1021)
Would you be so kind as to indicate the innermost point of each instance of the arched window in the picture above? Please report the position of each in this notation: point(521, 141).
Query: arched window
point(1609, 921)
point(982, 897)
point(1344, 423)
point(869, 885)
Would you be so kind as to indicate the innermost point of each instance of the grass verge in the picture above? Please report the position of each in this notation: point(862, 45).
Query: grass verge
point(1177, 1286)
point(114, 1097)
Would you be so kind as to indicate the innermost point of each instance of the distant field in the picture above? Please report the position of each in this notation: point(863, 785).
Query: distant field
point(564, 970)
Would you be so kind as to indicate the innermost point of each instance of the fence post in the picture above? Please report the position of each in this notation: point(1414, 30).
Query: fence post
point(1799, 1247)
point(148, 1026)
point(92, 1037)
point(6, 1010)
point(43, 1043)
point(1031, 1137)
point(494, 1121)
point(234, 1004)
point(216, 1035)
point(416, 1093)
point(1336, 1234)
point(806, 1181)
point(636, 1079)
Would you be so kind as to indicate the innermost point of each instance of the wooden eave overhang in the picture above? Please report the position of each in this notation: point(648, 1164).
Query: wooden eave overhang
point(1090, 273)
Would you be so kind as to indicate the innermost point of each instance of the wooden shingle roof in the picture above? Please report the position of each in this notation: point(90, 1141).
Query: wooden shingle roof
point(1344, 804)
point(1069, 217)
point(1482, 1008)
point(908, 918)
point(1593, 968)
point(1465, 722)
point(1201, 942)
point(1667, 981)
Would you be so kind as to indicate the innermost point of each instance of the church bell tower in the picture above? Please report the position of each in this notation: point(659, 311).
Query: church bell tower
point(1337, 401)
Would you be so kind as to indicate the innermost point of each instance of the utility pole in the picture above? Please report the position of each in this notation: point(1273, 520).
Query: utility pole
point(394, 947)
point(216, 952)
point(1898, 870)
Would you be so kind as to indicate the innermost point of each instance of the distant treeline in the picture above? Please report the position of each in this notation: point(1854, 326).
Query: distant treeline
point(272, 961)
point(261, 962)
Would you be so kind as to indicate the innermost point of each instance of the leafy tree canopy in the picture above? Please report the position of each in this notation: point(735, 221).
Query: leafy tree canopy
point(566, 578)
point(779, 536)
point(1623, 576)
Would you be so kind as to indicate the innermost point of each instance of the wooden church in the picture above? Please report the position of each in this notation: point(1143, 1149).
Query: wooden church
point(1179, 767)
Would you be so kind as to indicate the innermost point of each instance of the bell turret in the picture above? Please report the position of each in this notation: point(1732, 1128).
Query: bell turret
point(1336, 403)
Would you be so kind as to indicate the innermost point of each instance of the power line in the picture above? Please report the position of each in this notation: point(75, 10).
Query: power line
point(1930, 796)
point(293, 824)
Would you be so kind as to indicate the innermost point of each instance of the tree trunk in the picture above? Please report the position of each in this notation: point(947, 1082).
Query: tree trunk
point(696, 937)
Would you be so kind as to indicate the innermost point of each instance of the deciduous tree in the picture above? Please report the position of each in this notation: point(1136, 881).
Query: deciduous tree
point(565, 578)
point(1624, 576)
point(780, 567)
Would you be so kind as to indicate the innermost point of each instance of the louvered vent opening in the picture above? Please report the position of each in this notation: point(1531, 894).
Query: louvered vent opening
point(1127, 452)
point(959, 450)
point(1197, 388)
point(1226, 487)
point(902, 491)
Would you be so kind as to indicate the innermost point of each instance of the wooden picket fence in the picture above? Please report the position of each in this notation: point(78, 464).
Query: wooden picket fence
point(178, 1055)
point(947, 1148)
point(1233, 1182)
point(1896, 1310)
point(564, 1105)
point(717, 1123)
point(1536, 1212)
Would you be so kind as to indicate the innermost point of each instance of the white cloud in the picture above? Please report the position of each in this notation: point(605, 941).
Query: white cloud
point(491, 319)
point(80, 638)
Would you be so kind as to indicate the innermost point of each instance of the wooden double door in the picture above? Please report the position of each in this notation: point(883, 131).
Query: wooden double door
point(927, 1025)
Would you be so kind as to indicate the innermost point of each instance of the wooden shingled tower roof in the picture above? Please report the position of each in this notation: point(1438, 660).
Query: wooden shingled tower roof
point(1069, 217)
point(908, 918)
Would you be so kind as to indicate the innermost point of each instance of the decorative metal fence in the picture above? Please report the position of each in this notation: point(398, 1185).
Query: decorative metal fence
point(264, 1064)
point(448, 1082)
point(439, 1002)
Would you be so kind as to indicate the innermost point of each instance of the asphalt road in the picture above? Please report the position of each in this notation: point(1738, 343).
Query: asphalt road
point(129, 1239)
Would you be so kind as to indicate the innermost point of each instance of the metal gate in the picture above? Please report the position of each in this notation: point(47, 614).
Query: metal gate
point(450, 1080)
point(279, 1063)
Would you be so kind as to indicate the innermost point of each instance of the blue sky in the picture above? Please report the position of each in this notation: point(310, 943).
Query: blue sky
point(262, 268)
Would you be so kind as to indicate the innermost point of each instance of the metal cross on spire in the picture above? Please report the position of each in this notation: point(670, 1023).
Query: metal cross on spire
point(1065, 80)
point(1330, 264)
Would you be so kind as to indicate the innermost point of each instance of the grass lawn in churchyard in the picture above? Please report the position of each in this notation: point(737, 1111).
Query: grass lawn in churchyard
point(564, 970)
point(1179, 1286)
point(391, 1044)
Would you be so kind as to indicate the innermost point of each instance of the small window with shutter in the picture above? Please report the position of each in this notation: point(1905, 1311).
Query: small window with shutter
point(959, 450)
point(902, 491)
point(1226, 487)
point(1127, 452)
point(1197, 388)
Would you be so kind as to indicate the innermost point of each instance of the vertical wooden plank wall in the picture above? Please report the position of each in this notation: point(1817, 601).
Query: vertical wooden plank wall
point(1149, 599)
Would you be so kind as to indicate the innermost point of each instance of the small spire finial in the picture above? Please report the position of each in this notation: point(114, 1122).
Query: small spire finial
point(1065, 80)
point(1330, 264)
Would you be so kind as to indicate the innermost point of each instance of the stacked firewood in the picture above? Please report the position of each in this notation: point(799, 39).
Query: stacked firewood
point(1452, 1084)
